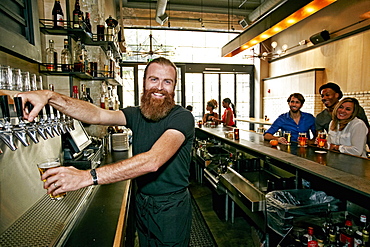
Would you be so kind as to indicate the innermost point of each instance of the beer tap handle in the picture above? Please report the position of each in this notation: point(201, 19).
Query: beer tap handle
point(18, 107)
point(5, 107)
point(55, 111)
point(41, 114)
point(47, 109)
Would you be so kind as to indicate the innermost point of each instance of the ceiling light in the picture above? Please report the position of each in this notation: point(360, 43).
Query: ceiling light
point(255, 31)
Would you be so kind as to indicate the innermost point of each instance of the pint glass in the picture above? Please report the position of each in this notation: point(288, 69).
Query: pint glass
point(321, 139)
point(302, 139)
point(288, 137)
point(43, 166)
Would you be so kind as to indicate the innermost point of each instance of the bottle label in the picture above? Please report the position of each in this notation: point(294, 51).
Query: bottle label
point(312, 243)
point(60, 21)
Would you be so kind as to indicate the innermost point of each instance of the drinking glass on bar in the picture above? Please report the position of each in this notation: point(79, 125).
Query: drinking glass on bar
point(43, 166)
point(321, 139)
point(288, 137)
point(302, 139)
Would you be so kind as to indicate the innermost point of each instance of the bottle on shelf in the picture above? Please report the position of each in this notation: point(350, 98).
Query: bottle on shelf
point(309, 238)
point(111, 24)
point(58, 17)
point(88, 95)
point(357, 242)
point(83, 94)
point(77, 15)
point(365, 235)
point(346, 233)
point(75, 92)
point(51, 57)
point(88, 23)
point(66, 57)
point(79, 58)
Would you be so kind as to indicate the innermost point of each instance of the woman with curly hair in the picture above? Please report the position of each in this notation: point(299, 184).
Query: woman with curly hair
point(347, 133)
point(211, 106)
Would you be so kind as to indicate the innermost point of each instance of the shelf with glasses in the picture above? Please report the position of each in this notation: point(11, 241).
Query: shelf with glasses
point(87, 38)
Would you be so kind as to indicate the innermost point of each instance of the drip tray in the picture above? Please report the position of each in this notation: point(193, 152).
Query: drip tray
point(47, 221)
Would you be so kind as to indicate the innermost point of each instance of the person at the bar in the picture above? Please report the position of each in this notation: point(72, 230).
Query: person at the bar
point(228, 117)
point(294, 121)
point(211, 106)
point(163, 133)
point(330, 96)
point(347, 133)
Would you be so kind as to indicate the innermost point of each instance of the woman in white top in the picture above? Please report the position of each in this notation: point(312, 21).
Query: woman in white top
point(347, 133)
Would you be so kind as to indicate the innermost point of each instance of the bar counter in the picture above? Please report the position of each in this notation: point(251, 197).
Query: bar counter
point(344, 176)
point(106, 218)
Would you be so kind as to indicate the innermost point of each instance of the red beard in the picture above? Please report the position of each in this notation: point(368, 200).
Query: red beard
point(153, 108)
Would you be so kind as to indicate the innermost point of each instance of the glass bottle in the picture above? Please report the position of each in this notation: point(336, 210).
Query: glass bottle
point(66, 57)
point(88, 23)
point(358, 233)
point(58, 16)
point(347, 233)
point(88, 95)
point(75, 92)
point(77, 15)
point(51, 57)
point(309, 238)
point(83, 93)
point(78, 57)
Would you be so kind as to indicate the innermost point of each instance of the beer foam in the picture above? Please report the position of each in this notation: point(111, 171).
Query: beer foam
point(49, 164)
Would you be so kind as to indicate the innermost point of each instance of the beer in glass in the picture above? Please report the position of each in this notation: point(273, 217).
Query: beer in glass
point(288, 137)
point(321, 139)
point(302, 139)
point(43, 166)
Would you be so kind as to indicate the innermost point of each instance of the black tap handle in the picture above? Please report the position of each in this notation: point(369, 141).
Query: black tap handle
point(5, 107)
point(29, 106)
point(55, 111)
point(18, 106)
point(47, 109)
point(41, 113)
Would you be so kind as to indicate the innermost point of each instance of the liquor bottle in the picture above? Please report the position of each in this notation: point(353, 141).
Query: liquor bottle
point(66, 57)
point(51, 57)
point(58, 17)
point(365, 235)
point(75, 92)
point(83, 94)
point(102, 101)
point(88, 23)
point(85, 56)
point(88, 95)
point(347, 233)
point(358, 233)
point(79, 59)
point(77, 15)
point(309, 238)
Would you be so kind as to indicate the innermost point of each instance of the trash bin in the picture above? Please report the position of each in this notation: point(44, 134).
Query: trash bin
point(285, 205)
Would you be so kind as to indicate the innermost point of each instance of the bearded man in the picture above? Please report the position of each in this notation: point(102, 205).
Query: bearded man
point(294, 121)
point(162, 140)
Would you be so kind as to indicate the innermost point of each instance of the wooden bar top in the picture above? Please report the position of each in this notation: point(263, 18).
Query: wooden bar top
point(254, 120)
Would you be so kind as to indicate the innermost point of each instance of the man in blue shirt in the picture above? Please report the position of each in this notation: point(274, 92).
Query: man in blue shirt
point(294, 121)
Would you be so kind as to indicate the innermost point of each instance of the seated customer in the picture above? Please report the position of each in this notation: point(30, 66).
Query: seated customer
point(330, 96)
point(347, 133)
point(294, 121)
point(211, 106)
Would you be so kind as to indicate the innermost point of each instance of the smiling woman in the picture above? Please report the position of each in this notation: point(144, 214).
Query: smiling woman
point(347, 133)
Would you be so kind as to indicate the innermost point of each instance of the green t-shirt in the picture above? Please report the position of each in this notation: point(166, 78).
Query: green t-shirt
point(173, 175)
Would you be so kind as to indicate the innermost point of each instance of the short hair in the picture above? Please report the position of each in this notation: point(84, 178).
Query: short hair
point(189, 107)
point(298, 96)
point(161, 61)
point(333, 86)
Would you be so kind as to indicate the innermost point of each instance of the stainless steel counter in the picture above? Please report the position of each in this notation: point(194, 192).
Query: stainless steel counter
point(343, 176)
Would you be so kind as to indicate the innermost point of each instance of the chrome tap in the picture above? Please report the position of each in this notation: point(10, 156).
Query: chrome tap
point(49, 123)
point(55, 122)
point(62, 123)
point(20, 131)
point(30, 128)
point(6, 132)
point(41, 125)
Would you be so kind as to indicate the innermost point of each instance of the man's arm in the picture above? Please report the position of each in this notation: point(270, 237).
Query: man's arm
point(69, 178)
point(78, 109)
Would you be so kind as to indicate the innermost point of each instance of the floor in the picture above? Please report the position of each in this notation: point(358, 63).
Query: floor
point(226, 234)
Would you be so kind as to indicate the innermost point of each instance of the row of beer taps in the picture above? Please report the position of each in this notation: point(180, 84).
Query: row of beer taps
point(52, 123)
